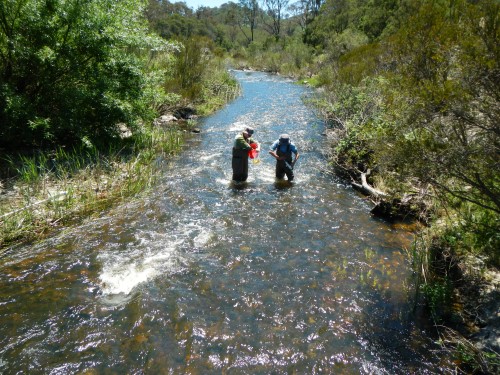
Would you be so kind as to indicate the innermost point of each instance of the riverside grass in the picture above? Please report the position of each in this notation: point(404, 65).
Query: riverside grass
point(58, 188)
point(61, 187)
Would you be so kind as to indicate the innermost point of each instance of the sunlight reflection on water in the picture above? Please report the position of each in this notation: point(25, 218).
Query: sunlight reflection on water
point(205, 276)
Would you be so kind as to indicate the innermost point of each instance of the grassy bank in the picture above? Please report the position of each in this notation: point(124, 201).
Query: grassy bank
point(53, 189)
point(50, 189)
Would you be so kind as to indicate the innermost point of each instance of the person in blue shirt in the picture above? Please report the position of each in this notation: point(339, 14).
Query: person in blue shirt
point(286, 156)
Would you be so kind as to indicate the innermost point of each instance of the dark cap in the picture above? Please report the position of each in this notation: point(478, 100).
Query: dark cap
point(249, 130)
point(284, 138)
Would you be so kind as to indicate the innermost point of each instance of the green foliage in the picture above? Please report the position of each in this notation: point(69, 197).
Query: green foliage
point(354, 19)
point(175, 20)
point(289, 56)
point(438, 296)
point(420, 107)
point(447, 134)
point(71, 70)
point(481, 232)
point(430, 114)
point(219, 87)
point(298, 56)
point(333, 19)
point(60, 186)
point(190, 64)
point(178, 26)
point(475, 361)
point(355, 113)
point(471, 230)
point(360, 62)
point(196, 73)
point(345, 42)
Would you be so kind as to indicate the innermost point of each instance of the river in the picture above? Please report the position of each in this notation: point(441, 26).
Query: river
point(205, 277)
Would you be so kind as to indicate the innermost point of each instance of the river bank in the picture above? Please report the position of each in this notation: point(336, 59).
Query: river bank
point(461, 292)
point(52, 190)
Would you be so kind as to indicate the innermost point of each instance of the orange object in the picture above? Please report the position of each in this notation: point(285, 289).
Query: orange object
point(253, 153)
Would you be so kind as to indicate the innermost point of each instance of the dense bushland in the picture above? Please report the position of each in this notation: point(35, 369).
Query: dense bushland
point(421, 108)
point(417, 106)
point(72, 70)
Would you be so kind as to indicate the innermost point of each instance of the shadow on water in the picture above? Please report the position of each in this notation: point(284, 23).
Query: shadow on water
point(283, 184)
point(278, 185)
point(238, 185)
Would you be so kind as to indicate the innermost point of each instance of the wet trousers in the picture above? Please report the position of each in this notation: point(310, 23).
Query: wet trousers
point(240, 164)
point(282, 170)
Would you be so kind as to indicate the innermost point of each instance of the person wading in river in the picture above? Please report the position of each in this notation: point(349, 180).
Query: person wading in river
point(241, 147)
point(282, 150)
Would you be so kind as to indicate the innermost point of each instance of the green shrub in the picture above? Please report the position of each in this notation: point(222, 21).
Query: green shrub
point(71, 71)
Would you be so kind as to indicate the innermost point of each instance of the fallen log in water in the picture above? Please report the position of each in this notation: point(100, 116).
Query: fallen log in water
point(365, 188)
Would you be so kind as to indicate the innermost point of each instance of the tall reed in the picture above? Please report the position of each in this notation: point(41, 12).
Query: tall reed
point(62, 186)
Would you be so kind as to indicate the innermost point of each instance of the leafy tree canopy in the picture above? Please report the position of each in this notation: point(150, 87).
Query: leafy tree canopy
point(371, 17)
point(71, 69)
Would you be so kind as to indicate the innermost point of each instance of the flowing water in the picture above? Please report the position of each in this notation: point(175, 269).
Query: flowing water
point(205, 277)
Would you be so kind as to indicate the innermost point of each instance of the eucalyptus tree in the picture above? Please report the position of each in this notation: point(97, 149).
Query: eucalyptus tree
point(305, 11)
point(232, 19)
point(250, 11)
point(276, 11)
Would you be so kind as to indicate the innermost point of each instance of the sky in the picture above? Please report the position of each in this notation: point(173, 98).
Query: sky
point(207, 3)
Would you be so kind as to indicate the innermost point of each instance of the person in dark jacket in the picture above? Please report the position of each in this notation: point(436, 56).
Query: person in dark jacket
point(286, 155)
point(241, 147)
